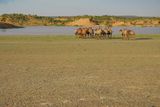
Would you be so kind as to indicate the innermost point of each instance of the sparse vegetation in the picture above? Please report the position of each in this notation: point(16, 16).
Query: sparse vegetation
point(61, 71)
point(30, 20)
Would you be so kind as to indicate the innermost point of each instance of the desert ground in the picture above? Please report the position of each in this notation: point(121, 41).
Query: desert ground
point(62, 71)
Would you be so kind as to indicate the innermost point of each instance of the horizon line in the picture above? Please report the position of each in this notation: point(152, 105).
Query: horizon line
point(80, 15)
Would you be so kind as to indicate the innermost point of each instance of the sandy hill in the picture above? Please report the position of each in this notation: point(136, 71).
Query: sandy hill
point(82, 22)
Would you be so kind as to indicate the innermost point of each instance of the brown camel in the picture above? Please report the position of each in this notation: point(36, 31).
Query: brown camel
point(82, 32)
point(127, 34)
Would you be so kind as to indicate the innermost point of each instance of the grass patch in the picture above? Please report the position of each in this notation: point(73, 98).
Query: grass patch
point(45, 38)
point(50, 38)
point(148, 36)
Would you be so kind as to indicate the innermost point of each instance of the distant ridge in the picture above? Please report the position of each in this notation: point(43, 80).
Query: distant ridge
point(85, 20)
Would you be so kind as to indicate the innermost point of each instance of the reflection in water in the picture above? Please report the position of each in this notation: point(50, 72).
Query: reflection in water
point(65, 30)
point(3, 30)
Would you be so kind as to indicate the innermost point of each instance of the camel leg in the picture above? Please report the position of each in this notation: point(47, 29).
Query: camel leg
point(128, 38)
point(111, 36)
point(105, 36)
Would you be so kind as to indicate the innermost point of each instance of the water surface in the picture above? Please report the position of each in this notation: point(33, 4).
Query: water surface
point(66, 30)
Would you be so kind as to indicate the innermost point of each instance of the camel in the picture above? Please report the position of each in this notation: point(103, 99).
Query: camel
point(127, 34)
point(78, 33)
point(91, 32)
point(108, 31)
point(82, 33)
point(100, 33)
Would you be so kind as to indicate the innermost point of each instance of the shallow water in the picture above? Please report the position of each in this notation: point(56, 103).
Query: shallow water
point(66, 30)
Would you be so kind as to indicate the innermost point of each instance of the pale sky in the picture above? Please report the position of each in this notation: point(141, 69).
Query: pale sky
point(81, 7)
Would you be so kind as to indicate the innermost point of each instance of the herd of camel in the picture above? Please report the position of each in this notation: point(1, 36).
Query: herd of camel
point(102, 33)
